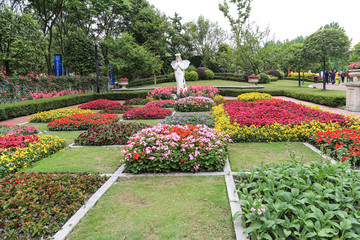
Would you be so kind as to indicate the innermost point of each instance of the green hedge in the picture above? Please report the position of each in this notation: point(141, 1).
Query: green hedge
point(150, 81)
point(231, 77)
point(18, 109)
point(331, 101)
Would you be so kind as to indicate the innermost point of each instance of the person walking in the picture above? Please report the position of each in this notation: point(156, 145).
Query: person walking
point(326, 77)
point(342, 76)
point(333, 74)
point(347, 76)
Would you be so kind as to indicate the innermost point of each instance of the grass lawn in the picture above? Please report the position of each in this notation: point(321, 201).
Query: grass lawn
point(249, 155)
point(68, 136)
point(41, 126)
point(278, 85)
point(146, 121)
point(85, 159)
point(160, 208)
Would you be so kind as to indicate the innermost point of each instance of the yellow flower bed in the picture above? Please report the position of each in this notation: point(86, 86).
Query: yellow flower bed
point(273, 132)
point(11, 161)
point(218, 98)
point(250, 97)
point(301, 74)
point(52, 115)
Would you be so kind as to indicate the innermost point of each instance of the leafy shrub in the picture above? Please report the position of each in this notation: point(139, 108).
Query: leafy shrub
point(11, 161)
point(307, 202)
point(201, 73)
point(161, 104)
point(218, 98)
point(36, 205)
point(147, 113)
point(251, 97)
point(136, 101)
point(81, 121)
point(172, 76)
point(194, 104)
point(117, 109)
point(193, 76)
point(274, 73)
point(116, 133)
point(209, 74)
point(176, 148)
point(264, 78)
point(282, 75)
point(190, 118)
point(273, 79)
point(18, 130)
point(191, 68)
point(52, 115)
point(99, 104)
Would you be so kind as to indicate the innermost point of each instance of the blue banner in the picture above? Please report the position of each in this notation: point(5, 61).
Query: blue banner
point(111, 74)
point(57, 65)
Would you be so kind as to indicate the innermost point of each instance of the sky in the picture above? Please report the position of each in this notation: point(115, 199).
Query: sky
point(287, 19)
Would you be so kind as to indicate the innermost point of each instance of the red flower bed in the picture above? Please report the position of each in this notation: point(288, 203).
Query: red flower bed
point(35, 206)
point(283, 112)
point(147, 113)
point(342, 144)
point(81, 121)
point(14, 141)
point(99, 104)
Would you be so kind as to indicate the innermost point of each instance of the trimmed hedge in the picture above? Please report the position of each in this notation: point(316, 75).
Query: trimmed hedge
point(231, 77)
point(18, 109)
point(331, 101)
point(150, 80)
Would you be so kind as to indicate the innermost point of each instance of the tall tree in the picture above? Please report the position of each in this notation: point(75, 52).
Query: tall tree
point(333, 25)
point(355, 54)
point(205, 37)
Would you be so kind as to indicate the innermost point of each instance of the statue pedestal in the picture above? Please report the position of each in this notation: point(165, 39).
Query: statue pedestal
point(353, 97)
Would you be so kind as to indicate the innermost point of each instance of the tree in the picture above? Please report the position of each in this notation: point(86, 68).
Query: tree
point(205, 37)
point(21, 43)
point(333, 25)
point(355, 54)
point(326, 44)
point(223, 60)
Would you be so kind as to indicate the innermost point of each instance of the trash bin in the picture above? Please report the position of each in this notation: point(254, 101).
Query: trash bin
point(316, 79)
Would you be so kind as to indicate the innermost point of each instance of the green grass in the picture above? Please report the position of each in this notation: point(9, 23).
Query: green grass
point(277, 85)
point(68, 136)
point(85, 159)
point(146, 121)
point(249, 155)
point(41, 126)
point(160, 208)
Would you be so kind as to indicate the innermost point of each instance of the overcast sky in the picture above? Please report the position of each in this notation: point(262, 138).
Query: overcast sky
point(287, 19)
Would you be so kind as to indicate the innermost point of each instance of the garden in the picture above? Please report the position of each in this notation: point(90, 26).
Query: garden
point(180, 149)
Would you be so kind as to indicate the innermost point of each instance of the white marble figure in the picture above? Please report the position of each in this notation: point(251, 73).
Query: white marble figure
point(179, 66)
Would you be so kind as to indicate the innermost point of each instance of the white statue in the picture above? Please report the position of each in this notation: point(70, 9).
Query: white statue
point(179, 66)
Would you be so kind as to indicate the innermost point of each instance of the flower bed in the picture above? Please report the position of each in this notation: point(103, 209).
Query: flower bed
point(254, 96)
point(275, 131)
point(16, 141)
point(18, 130)
point(12, 160)
point(147, 113)
point(194, 104)
point(117, 109)
point(136, 101)
point(54, 94)
point(99, 104)
point(176, 148)
point(297, 201)
point(109, 134)
point(342, 144)
point(161, 103)
point(194, 91)
point(81, 121)
point(35, 205)
point(52, 115)
point(190, 118)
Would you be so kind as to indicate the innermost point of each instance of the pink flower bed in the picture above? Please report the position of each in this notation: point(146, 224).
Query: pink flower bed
point(17, 141)
point(147, 113)
point(194, 91)
point(282, 112)
point(54, 94)
point(99, 104)
point(161, 104)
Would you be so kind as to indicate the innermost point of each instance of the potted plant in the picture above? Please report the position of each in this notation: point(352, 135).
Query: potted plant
point(354, 69)
point(254, 79)
point(123, 82)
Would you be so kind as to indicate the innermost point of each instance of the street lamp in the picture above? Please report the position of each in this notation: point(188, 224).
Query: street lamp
point(97, 68)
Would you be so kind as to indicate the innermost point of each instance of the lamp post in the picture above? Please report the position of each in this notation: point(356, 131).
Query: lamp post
point(97, 68)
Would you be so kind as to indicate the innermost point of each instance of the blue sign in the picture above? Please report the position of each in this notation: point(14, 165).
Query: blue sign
point(111, 74)
point(57, 65)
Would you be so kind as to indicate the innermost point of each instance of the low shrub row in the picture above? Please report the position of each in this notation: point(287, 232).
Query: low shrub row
point(150, 81)
point(231, 77)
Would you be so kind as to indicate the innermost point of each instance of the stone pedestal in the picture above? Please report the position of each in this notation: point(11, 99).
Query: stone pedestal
point(353, 97)
point(254, 81)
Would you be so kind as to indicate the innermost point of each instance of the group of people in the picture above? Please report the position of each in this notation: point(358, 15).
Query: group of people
point(330, 76)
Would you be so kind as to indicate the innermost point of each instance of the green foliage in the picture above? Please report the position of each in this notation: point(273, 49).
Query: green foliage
point(201, 73)
point(282, 75)
point(355, 54)
point(231, 77)
point(224, 59)
point(191, 68)
point(150, 80)
point(307, 202)
point(209, 74)
point(191, 76)
point(264, 78)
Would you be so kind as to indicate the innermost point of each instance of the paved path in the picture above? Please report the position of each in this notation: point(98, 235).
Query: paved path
point(330, 86)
